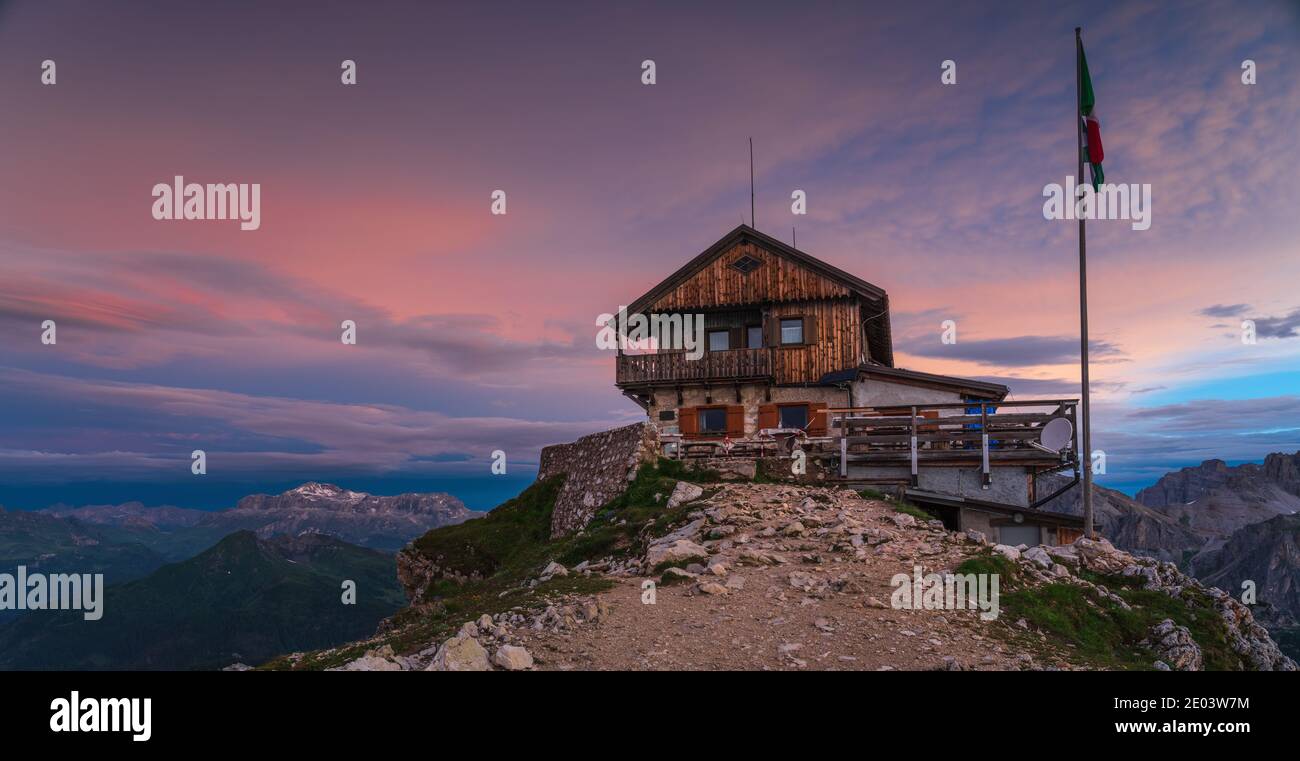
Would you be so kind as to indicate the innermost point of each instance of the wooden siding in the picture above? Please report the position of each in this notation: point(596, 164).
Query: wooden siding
point(837, 345)
point(718, 284)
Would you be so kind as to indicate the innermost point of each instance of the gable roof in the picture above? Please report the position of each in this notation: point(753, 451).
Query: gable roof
point(745, 233)
point(881, 337)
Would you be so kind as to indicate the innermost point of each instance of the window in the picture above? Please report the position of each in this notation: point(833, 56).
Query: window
point(746, 264)
point(792, 331)
point(713, 421)
point(719, 340)
point(794, 416)
point(754, 336)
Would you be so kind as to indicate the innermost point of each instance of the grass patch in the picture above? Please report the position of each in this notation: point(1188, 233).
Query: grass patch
point(991, 564)
point(676, 469)
point(1102, 632)
point(875, 494)
point(914, 511)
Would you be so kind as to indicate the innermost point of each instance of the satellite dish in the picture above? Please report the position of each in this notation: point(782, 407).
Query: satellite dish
point(1056, 434)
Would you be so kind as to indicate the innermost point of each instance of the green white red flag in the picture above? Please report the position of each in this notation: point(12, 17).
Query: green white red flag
point(1090, 126)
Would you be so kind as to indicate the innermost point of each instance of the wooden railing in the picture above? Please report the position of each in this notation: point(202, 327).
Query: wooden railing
point(982, 432)
point(733, 364)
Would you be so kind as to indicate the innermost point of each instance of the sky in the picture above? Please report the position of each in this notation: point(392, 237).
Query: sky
point(476, 332)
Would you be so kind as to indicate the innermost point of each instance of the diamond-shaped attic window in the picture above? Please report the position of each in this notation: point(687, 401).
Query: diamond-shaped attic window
point(746, 264)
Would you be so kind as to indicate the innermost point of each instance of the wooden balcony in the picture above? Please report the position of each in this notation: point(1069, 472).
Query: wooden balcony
point(675, 367)
point(969, 433)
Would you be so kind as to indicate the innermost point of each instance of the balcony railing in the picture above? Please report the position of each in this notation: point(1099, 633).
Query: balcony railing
point(733, 364)
point(981, 433)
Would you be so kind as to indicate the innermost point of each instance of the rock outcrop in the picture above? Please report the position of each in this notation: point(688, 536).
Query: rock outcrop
point(1214, 499)
point(1244, 636)
point(1267, 555)
point(1129, 524)
point(367, 519)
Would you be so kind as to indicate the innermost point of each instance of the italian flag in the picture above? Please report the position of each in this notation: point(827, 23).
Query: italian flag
point(1091, 128)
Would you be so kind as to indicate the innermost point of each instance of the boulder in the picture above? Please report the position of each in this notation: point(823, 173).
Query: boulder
point(512, 658)
point(680, 551)
point(684, 492)
point(1038, 556)
point(460, 653)
point(1010, 553)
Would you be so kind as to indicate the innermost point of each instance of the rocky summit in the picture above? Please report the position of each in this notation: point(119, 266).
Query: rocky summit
point(366, 519)
point(763, 576)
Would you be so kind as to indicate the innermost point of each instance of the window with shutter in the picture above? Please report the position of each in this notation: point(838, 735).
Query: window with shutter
point(793, 415)
point(713, 420)
point(791, 331)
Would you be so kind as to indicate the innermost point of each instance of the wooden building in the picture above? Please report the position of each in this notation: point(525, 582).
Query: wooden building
point(797, 348)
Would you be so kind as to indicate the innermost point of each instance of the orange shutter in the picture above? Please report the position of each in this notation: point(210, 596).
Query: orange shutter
point(735, 421)
point(810, 329)
point(767, 416)
point(688, 422)
point(817, 418)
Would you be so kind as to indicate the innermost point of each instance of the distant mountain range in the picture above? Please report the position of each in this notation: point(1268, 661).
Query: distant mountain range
point(1224, 524)
point(127, 541)
point(1215, 499)
point(383, 523)
point(244, 600)
point(131, 543)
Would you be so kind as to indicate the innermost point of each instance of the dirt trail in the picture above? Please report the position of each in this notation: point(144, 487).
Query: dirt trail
point(804, 584)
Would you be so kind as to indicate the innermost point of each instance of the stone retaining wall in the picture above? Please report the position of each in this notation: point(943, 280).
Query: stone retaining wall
point(597, 468)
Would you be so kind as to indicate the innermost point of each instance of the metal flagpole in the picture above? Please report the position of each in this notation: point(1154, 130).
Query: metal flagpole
point(1083, 290)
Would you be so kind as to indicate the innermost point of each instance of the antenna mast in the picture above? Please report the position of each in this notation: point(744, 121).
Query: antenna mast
point(752, 222)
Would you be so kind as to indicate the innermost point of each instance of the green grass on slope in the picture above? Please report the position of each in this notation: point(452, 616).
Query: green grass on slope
point(1101, 632)
point(511, 544)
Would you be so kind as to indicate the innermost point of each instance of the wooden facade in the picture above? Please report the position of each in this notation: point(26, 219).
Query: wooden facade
point(746, 285)
point(775, 279)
